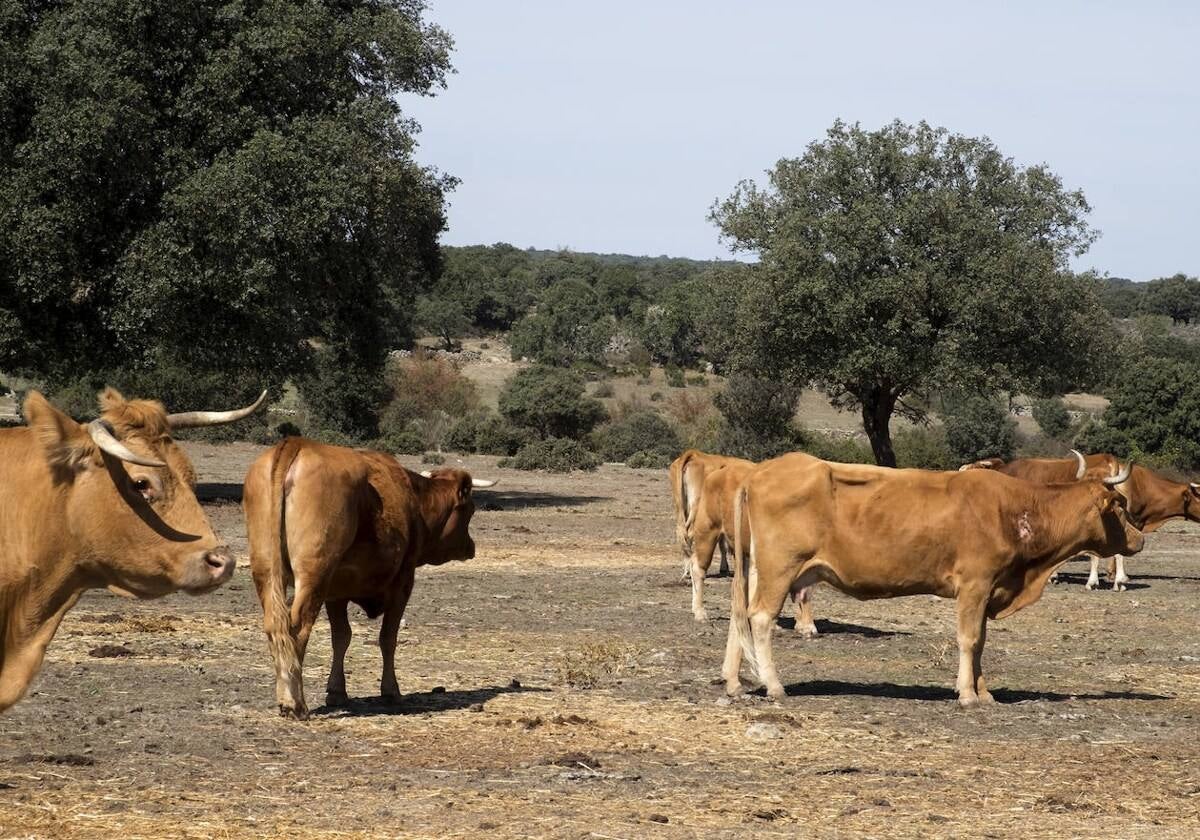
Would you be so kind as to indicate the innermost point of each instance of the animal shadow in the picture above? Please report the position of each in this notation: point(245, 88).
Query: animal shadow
point(895, 691)
point(1080, 579)
point(826, 627)
point(526, 499)
point(422, 701)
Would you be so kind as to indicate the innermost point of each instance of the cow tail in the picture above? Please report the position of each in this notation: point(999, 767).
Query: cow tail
point(276, 612)
point(739, 612)
point(684, 515)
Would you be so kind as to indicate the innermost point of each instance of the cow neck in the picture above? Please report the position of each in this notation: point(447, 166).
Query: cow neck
point(1055, 517)
point(1152, 499)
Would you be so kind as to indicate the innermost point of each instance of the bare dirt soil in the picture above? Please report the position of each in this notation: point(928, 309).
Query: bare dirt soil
point(557, 686)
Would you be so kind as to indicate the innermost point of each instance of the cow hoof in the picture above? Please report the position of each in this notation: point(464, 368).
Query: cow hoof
point(701, 616)
point(986, 697)
point(807, 632)
point(336, 698)
point(969, 702)
point(776, 695)
point(297, 713)
point(1119, 586)
point(734, 687)
point(1092, 584)
point(391, 698)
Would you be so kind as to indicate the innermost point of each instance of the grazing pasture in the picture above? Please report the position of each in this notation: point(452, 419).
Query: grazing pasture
point(557, 685)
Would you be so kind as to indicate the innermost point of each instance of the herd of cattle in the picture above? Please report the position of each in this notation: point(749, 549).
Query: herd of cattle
point(111, 504)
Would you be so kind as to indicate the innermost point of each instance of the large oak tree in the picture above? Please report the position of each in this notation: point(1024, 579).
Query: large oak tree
point(898, 262)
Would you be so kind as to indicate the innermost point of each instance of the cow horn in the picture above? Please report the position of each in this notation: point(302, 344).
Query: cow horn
point(105, 440)
point(1082, 464)
point(1121, 477)
point(479, 482)
point(427, 473)
point(191, 419)
point(1195, 486)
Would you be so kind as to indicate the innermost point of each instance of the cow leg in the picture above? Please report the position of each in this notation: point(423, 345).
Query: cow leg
point(340, 633)
point(972, 630)
point(766, 600)
point(723, 547)
point(1094, 578)
point(802, 605)
point(1116, 572)
point(289, 680)
point(389, 689)
point(702, 555)
point(733, 662)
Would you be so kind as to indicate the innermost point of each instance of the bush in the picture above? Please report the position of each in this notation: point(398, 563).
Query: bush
point(979, 427)
point(648, 460)
point(488, 434)
point(830, 447)
point(656, 396)
point(923, 448)
point(551, 402)
point(675, 377)
point(1052, 416)
point(555, 455)
point(604, 389)
point(697, 419)
point(759, 418)
point(433, 458)
point(640, 431)
point(427, 393)
point(342, 397)
point(699, 380)
point(397, 442)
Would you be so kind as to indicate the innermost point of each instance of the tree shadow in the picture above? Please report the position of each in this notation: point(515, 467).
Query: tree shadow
point(526, 499)
point(1080, 579)
point(827, 627)
point(217, 491)
point(895, 691)
point(418, 702)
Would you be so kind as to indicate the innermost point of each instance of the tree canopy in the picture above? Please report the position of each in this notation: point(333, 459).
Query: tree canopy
point(212, 185)
point(909, 259)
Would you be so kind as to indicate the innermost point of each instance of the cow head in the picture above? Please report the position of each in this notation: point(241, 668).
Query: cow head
point(449, 506)
point(1120, 535)
point(129, 509)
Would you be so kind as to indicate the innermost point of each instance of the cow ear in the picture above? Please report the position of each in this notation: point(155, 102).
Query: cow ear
point(110, 398)
point(66, 443)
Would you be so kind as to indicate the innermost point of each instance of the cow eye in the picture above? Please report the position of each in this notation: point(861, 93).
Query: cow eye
point(143, 486)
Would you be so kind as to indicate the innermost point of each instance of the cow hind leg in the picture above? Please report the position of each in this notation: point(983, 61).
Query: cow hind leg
point(723, 547)
point(765, 603)
point(340, 634)
point(806, 626)
point(289, 678)
point(1093, 580)
point(972, 631)
point(701, 559)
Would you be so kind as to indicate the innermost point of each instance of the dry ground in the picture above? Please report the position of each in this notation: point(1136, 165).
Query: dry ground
point(576, 582)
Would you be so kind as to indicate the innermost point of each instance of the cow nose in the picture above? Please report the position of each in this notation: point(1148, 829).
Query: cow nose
point(220, 563)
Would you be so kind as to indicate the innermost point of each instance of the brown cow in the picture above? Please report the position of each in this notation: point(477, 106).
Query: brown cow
point(1151, 499)
point(711, 526)
point(687, 474)
point(986, 539)
point(345, 525)
point(106, 504)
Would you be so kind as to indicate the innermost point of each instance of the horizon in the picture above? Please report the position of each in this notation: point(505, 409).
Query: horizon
point(570, 127)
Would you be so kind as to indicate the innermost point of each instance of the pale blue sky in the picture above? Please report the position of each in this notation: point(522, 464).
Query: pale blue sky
point(612, 126)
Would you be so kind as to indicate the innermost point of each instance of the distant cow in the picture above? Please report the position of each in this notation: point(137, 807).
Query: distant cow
point(1151, 499)
point(345, 525)
point(986, 539)
point(107, 504)
point(687, 474)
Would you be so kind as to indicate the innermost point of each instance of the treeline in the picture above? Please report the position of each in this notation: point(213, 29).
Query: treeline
point(1176, 297)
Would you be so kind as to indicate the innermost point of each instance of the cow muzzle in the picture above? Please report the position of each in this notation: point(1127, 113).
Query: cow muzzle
point(210, 569)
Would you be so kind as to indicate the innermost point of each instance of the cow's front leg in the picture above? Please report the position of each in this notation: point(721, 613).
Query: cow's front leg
point(805, 624)
point(1094, 578)
point(972, 631)
point(1116, 571)
point(389, 689)
point(766, 600)
point(340, 633)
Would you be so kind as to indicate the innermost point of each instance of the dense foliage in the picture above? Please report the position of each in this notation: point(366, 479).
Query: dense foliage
point(979, 427)
point(550, 402)
point(908, 260)
point(212, 186)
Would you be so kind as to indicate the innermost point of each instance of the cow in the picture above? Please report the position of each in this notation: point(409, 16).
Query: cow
point(687, 474)
point(986, 539)
point(711, 527)
point(345, 525)
point(1151, 499)
point(106, 504)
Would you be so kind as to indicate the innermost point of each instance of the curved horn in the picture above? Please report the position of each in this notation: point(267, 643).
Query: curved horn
point(1119, 478)
point(190, 419)
point(479, 482)
point(1194, 485)
point(427, 473)
point(105, 440)
point(1082, 464)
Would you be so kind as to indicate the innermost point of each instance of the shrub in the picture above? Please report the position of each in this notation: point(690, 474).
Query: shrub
point(699, 380)
point(427, 392)
point(831, 447)
point(640, 431)
point(1052, 416)
point(656, 396)
point(397, 442)
point(342, 397)
point(463, 434)
point(924, 448)
point(675, 377)
point(979, 427)
point(487, 433)
point(604, 389)
point(551, 402)
point(648, 460)
point(555, 455)
point(697, 419)
point(758, 415)
point(433, 458)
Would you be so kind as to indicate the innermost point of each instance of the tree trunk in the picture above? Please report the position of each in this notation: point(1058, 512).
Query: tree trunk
point(877, 407)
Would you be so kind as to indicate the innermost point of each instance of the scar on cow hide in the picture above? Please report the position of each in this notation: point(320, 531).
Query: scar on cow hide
point(1024, 529)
